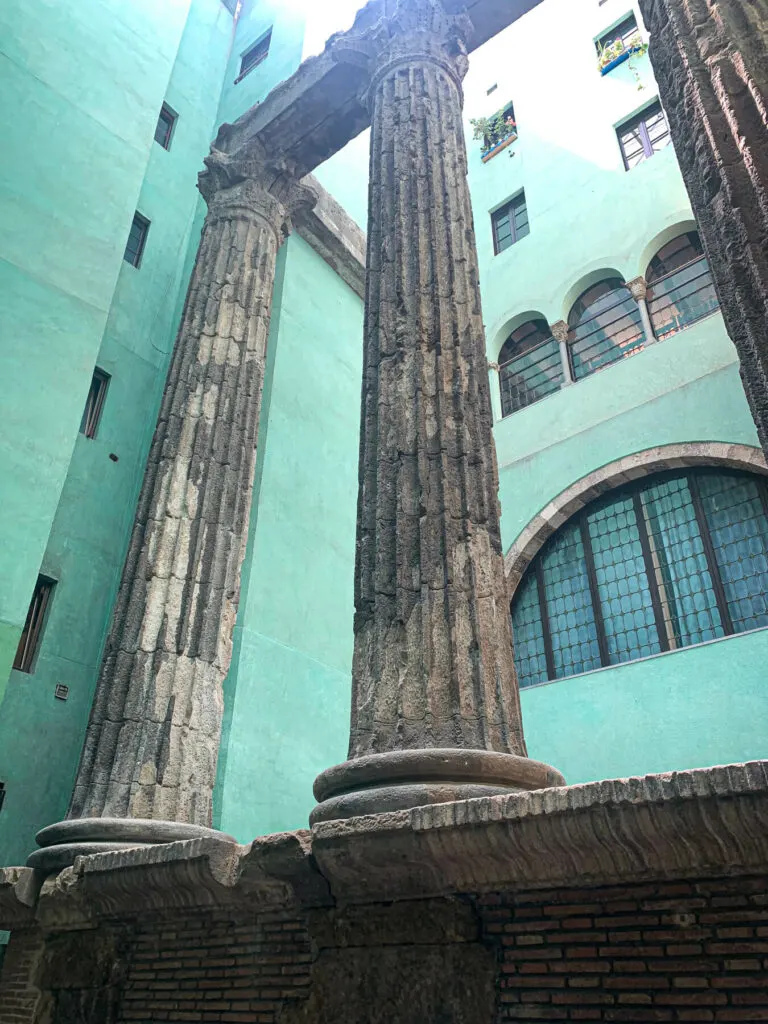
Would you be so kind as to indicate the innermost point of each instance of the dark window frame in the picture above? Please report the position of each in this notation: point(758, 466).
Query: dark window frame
point(256, 54)
point(34, 625)
point(670, 278)
point(633, 491)
point(134, 257)
point(519, 378)
point(508, 211)
point(94, 404)
point(167, 118)
point(640, 120)
point(615, 34)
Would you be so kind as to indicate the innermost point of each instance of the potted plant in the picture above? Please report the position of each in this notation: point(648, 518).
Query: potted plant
point(495, 132)
point(609, 57)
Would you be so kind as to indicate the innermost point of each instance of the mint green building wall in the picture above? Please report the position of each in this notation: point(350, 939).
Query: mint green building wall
point(81, 86)
point(41, 737)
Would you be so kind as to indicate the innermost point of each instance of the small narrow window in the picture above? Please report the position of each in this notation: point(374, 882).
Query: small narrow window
point(165, 124)
point(510, 224)
point(2, 795)
point(253, 57)
point(643, 136)
point(94, 403)
point(33, 627)
point(137, 239)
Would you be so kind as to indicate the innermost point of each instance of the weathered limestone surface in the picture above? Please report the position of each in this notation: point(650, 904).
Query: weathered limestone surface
point(152, 740)
point(711, 63)
point(433, 652)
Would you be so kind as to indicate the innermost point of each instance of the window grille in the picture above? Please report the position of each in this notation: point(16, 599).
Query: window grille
point(604, 326)
point(255, 55)
point(643, 135)
point(137, 239)
point(510, 223)
point(33, 626)
point(678, 559)
point(680, 286)
point(94, 404)
point(165, 125)
point(530, 366)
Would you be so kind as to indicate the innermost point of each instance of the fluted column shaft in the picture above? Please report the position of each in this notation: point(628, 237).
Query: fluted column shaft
point(152, 740)
point(711, 63)
point(433, 663)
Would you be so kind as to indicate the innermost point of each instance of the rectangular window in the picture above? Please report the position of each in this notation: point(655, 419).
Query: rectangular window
point(2, 795)
point(94, 403)
point(510, 224)
point(137, 239)
point(622, 33)
point(165, 123)
point(33, 627)
point(643, 136)
point(253, 57)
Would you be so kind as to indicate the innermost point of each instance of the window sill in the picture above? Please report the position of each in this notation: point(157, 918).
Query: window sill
point(490, 153)
point(619, 60)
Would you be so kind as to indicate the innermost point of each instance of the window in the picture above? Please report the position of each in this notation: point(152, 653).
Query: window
point(674, 560)
point(165, 123)
point(33, 627)
point(680, 287)
point(510, 224)
point(643, 136)
point(253, 57)
point(137, 239)
point(623, 33)
point(2, 795)
point(94, 403)
point(501, 127)
point(530, 366)
point(603, 327)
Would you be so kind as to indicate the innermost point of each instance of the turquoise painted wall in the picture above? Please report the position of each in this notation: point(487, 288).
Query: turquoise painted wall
point(81, 87)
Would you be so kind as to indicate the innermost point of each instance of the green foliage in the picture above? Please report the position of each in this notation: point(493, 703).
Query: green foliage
point(636, 47)
point(493, 130)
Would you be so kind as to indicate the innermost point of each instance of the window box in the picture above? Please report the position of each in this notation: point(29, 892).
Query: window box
point(497, 147)
point(496, 132)
point(619, 60)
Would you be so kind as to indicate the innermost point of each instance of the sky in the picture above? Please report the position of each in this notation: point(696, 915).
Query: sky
point(324, 17)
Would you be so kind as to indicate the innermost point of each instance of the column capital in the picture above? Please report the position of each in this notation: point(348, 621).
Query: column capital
point(408, 33)
point(493, 366)
point(246, 183)
point(559, 330)
point(639, 288)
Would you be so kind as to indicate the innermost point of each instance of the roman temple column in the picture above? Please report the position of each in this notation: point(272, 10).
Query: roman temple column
point(152, 741)
point(435, 702)
point(711, 63)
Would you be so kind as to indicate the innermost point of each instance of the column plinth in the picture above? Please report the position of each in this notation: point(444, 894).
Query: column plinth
point(148, 765)
point(435, 703)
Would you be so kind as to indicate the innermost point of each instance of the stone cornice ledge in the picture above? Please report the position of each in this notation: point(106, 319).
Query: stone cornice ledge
point(706, 822)
point(333, 234)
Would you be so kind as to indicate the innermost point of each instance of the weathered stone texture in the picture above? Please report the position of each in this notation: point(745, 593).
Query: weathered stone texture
point(152, 740)
point(433, 652)
point(711, 63)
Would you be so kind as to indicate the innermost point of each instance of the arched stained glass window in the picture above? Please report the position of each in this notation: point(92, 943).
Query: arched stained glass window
point(680, 287)
point(530, 367)
point(671, 561)
point(604, 326)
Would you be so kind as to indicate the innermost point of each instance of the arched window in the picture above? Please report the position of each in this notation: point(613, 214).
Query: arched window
point(604, 326)
point(530, 367)
point(680, 288)
point(673, 560)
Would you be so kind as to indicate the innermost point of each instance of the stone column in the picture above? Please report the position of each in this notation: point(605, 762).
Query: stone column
point(152, 740)
point(435, 702)
point(639, 289)
point(711, 63)
point(560, 334)
point(494, 382)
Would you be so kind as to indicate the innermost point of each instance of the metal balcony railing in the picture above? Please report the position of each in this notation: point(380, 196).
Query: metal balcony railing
point(614, 333)
point(528, 377)
point(681, 298)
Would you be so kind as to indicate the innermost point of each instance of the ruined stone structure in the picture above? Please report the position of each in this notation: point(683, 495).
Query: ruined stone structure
point(641, 899)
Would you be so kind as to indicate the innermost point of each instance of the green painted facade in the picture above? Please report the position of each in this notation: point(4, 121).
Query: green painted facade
point(89, 79)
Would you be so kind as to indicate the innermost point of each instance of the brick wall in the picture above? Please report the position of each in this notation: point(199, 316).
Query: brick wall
point(209, 967)
point(673, 952)
point(19, 994)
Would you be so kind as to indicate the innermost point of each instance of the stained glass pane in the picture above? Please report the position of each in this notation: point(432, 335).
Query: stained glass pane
point(625, 597)
point(571, 618)
point(739, 529)
point(528, 633)
point(686, 591)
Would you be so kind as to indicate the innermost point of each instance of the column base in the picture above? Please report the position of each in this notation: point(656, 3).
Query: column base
point(399, 779)
point(75, 837)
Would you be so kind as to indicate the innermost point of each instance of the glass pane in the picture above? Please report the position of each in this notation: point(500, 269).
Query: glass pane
point(528, 633)
point(625, 597)
point(609, 329)
point(688, 601)
point(530, 376)
point(632, 146)
point(569, 605)
point(681, 298)
point(739, 529)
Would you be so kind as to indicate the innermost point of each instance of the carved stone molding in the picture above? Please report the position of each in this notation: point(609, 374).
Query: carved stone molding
point(559, 330)
point(638, 287)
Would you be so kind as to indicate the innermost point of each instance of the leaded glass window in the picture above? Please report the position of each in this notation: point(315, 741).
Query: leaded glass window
point(678, 559)
point(680, 286)
point(604, 326)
